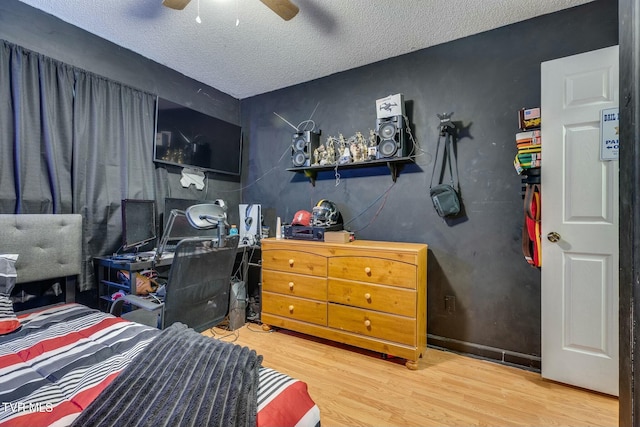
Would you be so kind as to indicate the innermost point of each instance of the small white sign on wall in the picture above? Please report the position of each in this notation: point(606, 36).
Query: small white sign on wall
point(609, 134)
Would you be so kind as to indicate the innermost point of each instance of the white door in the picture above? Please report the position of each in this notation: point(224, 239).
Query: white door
point(580, 205)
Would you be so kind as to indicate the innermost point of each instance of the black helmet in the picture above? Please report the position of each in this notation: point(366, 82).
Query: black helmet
point(326, 214)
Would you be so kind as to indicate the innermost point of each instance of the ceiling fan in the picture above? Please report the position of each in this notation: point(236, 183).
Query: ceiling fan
point(283, 8)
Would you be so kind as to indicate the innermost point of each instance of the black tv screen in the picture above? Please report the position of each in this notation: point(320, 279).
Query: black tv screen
point(138, 223)
point(189, 138)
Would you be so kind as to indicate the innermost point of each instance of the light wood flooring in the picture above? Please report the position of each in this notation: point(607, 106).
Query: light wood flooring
point(354, 387)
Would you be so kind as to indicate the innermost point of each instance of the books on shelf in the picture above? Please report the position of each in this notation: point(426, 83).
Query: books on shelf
point(529, 145)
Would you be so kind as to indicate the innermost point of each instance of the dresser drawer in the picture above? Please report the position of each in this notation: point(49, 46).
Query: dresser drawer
point(295, 262)
point(294, 284)
point(373, 324)
point(374, 297)
point(373, 270)
point(295, 308)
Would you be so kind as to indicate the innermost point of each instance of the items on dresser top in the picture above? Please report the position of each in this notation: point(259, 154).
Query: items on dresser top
point(365, 293)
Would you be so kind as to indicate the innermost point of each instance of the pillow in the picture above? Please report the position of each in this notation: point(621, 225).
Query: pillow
point(8, 277)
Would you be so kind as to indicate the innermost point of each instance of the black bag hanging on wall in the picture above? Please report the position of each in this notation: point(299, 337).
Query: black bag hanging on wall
point(445, 196)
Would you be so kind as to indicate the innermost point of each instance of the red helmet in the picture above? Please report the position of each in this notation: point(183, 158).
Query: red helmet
point(302, 217)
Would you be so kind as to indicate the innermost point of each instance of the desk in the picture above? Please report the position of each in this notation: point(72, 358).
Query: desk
point(107, 276)
point(107, 271)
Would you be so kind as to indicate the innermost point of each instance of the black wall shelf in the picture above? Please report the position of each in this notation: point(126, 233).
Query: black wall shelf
point(394, 165)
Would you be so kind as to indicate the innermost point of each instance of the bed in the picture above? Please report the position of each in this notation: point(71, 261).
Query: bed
point(68, 364)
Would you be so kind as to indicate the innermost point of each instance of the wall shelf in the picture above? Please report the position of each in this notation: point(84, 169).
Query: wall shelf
point(394, 165)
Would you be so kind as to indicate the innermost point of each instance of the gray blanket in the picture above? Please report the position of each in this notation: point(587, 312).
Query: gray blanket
point(181, 379)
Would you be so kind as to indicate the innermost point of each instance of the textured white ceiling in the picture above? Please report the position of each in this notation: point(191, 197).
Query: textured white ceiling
point(265, 53)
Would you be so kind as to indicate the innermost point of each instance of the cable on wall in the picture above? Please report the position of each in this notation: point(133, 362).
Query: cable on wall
point(385, 194)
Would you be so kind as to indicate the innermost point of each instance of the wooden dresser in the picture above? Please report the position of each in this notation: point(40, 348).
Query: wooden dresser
point(367, 294)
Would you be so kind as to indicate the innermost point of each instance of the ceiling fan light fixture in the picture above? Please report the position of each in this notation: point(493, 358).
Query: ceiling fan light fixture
point(285, 9)
point(176, 4)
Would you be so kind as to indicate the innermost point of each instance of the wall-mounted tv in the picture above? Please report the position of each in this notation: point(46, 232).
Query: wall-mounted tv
point(189, 138)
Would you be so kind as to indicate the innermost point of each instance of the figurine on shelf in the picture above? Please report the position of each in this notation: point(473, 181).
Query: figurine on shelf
point(319, 155)
point(342, 143)
point(358, 148)
point(356, 152)
point(331, 151)
point(345, 155)
point(372, 149)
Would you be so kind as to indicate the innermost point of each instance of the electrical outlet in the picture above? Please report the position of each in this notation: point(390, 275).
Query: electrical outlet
point(450, 304)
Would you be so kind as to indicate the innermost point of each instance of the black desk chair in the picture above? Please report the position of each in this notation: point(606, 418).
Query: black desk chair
point(197, 290)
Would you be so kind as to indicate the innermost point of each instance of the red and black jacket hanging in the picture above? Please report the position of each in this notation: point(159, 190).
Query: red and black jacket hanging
point(531, 243)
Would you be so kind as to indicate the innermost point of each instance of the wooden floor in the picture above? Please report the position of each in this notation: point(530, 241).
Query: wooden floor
point(358, 388)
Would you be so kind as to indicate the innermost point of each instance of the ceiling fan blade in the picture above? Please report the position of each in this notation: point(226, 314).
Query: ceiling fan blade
point(284, 8)
point(176, 4)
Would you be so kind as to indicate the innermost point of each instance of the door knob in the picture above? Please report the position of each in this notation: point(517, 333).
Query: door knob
point(553, 237)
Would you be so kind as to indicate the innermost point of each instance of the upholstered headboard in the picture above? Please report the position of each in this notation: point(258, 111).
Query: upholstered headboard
point(49, 246)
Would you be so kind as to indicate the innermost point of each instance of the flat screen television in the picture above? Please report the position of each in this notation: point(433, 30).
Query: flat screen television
point(189, 138)
point(138, 223)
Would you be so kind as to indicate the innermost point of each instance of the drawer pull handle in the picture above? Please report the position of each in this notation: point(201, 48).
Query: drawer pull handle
point(367, 270)
point(367, 323)
point(291, 309)
point(367, 296)
point(291, 285)
point(291, 262)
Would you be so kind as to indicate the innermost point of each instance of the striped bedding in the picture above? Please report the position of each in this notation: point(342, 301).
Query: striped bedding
point(62, 357)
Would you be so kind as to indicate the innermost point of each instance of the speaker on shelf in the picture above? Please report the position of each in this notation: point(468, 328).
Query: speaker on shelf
point(392, 140)
point(303, 146)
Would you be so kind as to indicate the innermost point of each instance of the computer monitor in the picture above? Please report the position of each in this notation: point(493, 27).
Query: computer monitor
point(138, 223)
point(181, 228)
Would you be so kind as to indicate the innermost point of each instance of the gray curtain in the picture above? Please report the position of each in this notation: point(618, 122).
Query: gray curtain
point(72, 142)
point(36, 117)
point(112, 160)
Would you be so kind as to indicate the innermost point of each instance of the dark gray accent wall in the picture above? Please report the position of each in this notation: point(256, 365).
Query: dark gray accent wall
point(476, 259)
point(33, 29)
